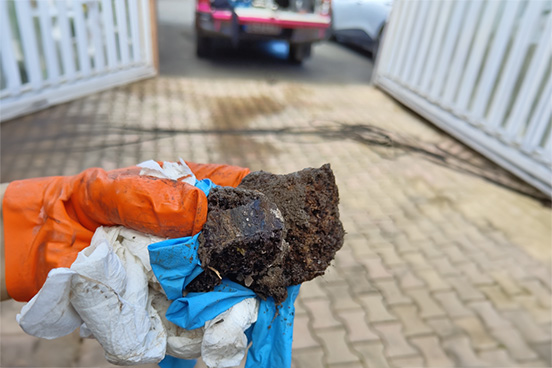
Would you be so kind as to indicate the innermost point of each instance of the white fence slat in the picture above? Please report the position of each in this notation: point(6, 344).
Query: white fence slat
point(450, 41)
point(147, 31)
point(477, 52)
point(462, 52)
point(401, 59)
point(400, 24)
point(429, 24)
point(436, 46)
point(135, 31)
point(531, 83)
point(9, 62)
point(82, 38)
point(28, 39)
point(66, 42)
point(48, 43)
point(494, 60)
point(109, 33)
point(385, 53)
point(413, 47)
point(548, 144)
point(97, 39)
point(120, 12)
point(505, 88)
point(539, 120)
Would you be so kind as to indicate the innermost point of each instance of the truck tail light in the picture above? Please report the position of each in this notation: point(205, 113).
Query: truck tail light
point(203, 5)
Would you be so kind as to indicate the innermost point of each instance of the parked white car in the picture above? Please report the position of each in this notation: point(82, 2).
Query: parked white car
point(360, 22)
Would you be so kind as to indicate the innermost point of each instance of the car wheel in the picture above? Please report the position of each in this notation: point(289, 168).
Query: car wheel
point(298, 53)
point(204, 46)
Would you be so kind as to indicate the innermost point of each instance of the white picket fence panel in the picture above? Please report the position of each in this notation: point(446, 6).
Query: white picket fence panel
point(53, 51)
point(480, 70)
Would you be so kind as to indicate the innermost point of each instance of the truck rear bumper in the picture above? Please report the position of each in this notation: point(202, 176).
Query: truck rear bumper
point(283, 25)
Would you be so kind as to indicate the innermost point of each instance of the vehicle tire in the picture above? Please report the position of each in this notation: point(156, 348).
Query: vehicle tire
point(298, 53)
point(204, 46)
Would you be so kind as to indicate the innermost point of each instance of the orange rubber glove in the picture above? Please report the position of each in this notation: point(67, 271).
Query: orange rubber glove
point(47, 221)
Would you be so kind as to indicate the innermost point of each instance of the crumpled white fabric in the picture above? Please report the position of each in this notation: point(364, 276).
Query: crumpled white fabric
point(111, 293)
point(170, 170)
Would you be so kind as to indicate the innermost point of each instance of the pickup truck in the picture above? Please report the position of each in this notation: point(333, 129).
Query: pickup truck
point(298, 22)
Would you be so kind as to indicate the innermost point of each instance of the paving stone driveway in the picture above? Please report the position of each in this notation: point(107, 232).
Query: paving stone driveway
point(440, 267)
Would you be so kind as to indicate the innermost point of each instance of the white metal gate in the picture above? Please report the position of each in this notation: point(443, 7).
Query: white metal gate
point(53, 51)
point(480, 70)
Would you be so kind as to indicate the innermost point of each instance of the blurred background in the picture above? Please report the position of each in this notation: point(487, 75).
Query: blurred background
point(435, 115)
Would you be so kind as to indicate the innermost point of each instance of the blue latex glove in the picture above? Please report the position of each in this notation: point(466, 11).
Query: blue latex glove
point(272, 337)
point(172, 362)
point(193, 310)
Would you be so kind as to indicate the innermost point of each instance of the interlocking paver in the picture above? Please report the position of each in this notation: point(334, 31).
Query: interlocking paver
point(430, 249)
point(375, 308)
point(359, 284)
point(340, 296)
point(390, 257)
point(530, 303)
point(443, 266)
point(434, 281)
point(321, 313)
point(407, 279)
point(17, 350)
point(372, 354)
point(345, 258)
point(515, 344)
point(412, 324)
point(332, 275)
point(395, 343)
point(474, 274)
point(336, 348)
point(434, 356)
point(489, 315)
point(424, 300)
point(404, 245)
point(356, 325)
point(461, 351)
point(416, 260)
point(361, 248)
point(392, 293)
point(302, 336)
point(480, 338)
point(498, 358)
point(536, 288)
point(506, 282)
point(308, 358)
point(310, 290)
point(466, 291)
point(530, 330)
point(376, 268)
point(454, 253)
point(500, 300)
point(409, 362)
point(444, 327)
point(453, 306)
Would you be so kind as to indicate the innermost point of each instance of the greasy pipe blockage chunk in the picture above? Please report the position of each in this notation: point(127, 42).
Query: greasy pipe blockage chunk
point(271, 232)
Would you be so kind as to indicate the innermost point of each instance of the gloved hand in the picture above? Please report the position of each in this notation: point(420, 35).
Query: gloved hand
point(47, 221)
